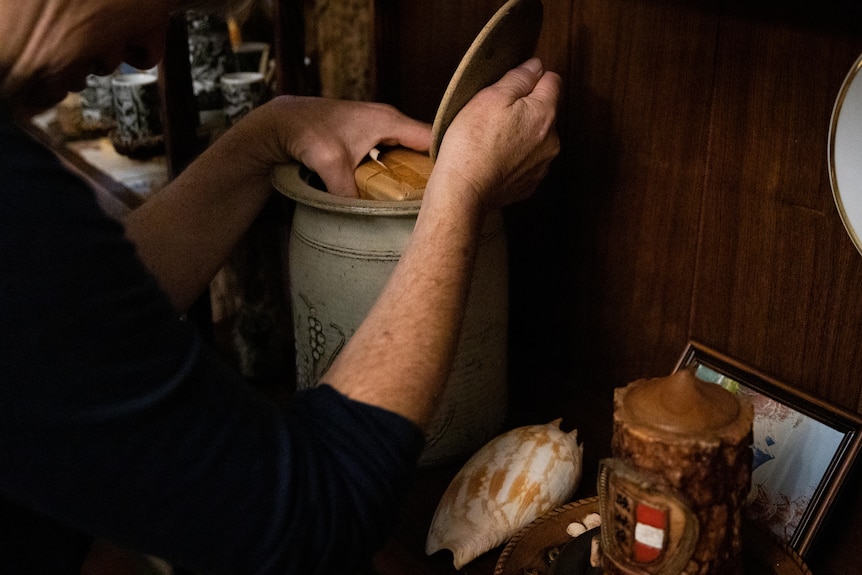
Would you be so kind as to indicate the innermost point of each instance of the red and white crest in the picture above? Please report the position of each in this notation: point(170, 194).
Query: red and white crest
point(646, 528)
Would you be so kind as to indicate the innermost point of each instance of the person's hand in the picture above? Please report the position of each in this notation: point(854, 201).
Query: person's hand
point(331, 137)
point(499, 146)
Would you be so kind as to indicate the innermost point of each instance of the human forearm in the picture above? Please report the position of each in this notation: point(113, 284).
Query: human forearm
point(186, 231)
point(400, 356)
point(495, 152)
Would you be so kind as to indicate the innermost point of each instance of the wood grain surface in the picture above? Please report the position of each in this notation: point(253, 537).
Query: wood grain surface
point(691, 201)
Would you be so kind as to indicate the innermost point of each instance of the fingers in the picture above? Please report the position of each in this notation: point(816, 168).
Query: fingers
point(547, 89)
point(331, 137)
point(340, 182)
point(400, 131)
point(503, 140)
point(521, 81)
point(410, 134)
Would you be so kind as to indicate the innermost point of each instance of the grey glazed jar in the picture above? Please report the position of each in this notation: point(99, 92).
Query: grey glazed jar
point(340, 253)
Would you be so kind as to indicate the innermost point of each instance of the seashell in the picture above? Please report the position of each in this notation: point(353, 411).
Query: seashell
point(508, 483)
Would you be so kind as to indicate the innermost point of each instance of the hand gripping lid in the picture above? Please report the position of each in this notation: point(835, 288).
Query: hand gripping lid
point(507, 40)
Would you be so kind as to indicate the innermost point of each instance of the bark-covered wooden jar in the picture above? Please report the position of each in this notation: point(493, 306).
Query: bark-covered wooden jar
point(673, 493)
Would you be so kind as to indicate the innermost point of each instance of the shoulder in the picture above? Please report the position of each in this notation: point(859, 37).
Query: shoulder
point(33, 181)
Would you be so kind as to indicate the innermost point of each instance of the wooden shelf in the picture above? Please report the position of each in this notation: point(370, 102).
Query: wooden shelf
point(116, 178)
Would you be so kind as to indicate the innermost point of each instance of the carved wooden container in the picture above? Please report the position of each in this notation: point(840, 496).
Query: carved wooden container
point(674, 491)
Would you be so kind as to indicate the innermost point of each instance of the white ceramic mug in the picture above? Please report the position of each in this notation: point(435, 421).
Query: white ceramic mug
point(97, 103)
point(241, 92)
point(209, 57)
point(138, 114)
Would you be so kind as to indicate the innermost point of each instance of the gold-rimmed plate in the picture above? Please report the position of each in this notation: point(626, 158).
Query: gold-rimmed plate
point(845, 153)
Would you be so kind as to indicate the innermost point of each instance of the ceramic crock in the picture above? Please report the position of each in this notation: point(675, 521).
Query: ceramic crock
point(340, 253)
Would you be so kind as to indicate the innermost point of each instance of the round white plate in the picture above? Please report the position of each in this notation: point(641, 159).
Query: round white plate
point(845, 153)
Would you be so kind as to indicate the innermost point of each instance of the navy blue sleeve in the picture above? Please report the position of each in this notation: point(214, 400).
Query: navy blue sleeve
point(115, 418)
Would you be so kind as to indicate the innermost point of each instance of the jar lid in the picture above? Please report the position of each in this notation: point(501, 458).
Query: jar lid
point(507, 40)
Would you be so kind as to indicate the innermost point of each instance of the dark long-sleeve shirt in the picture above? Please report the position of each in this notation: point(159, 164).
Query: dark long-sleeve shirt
point(117, 421)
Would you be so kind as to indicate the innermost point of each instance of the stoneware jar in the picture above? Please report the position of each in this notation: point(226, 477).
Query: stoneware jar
point(340, 253)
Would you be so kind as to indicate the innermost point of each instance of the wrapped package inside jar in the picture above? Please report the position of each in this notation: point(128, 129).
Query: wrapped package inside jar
point(396, 174)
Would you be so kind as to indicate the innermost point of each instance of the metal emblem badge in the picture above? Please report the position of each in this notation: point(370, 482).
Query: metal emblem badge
point(648, 529)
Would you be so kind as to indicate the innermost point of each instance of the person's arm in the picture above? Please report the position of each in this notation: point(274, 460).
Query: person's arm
point(495, 152)
point(185, 232)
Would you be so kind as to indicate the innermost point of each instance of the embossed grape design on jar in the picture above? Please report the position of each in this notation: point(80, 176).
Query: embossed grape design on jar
point(340, 253)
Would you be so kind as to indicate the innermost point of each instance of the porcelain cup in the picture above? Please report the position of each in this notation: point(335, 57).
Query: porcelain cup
point(138, 115)
point(241, 92)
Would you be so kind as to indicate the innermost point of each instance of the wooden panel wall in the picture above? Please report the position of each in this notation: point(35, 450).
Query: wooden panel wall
point(691, 199)
point(793, 298)
point(692, 196)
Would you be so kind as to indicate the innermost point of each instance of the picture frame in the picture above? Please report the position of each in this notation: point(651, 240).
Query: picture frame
point(804, 448)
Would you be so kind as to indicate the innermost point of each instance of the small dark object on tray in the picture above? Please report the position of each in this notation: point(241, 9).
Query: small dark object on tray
point(138, 148)
point(576, 556)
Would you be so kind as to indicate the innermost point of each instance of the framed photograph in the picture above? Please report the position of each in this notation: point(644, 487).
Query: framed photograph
point(803, 447)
